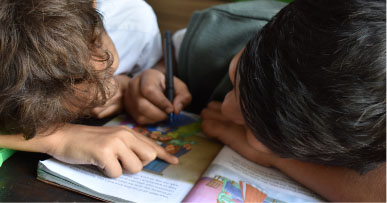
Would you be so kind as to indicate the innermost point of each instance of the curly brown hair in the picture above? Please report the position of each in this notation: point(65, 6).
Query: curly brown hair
point(46, 52)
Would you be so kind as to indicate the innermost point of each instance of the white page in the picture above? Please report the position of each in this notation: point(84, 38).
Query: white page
point(140, 187)
point(273, 182)
point(170, 186)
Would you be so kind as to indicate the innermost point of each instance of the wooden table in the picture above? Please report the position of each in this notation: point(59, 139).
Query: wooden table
point(18, 181)
point(175, 14)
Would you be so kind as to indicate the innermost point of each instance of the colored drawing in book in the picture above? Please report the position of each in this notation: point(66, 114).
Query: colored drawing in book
point(230, 192)
point(252, 193)
point(174, 137)
point(224, 190)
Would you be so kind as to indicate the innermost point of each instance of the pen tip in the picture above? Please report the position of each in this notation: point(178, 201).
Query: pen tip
point(171, 118)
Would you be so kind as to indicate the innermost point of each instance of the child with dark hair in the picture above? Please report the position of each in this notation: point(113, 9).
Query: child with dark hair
point(57, 63)
point(309, 89)
point(323, 77)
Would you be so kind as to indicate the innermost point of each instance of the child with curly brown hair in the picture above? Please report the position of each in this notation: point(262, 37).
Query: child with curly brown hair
point(57, 64)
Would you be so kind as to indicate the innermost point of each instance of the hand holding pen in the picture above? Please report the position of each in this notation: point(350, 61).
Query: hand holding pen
point(145, 98)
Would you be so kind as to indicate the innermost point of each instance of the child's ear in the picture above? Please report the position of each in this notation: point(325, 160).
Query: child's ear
point(95, 4)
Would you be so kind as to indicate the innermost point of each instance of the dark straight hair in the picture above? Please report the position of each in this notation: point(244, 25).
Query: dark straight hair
point(313, 84)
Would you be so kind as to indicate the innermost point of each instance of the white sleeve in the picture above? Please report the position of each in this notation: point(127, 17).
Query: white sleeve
point(150, 54)
point(132, 26)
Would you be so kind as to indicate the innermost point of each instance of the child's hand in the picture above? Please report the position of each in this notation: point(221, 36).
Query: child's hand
point(115, 104)
point(145, 99)
point(216, 125)
point(113, 149)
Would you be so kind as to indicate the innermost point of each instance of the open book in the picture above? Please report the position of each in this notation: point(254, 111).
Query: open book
point(207, 172)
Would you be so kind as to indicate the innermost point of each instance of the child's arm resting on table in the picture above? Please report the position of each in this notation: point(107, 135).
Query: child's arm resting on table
point(338, 184)
point(113, 148)
point(333, 183)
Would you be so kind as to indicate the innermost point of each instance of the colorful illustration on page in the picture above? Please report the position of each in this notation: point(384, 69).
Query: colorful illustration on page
point(220, 189)
point(174, 137)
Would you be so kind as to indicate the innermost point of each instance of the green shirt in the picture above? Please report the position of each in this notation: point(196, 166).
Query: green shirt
point(212, 39)
point(5, 153)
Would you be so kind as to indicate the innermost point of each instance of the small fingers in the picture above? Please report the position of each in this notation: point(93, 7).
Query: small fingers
point(108, 111)
point(110, 165)
point(212, 128)
point(164, 155)
point(139, 107)
point(112, 106)
point(144, 151)
point(146, 112)
point(130, 161)
point(212, 114)
point(97, 110)
point(158, 99)
point(153, 90)
point(215, 105)
point(227, 132)
point(182, 96)
point(161, 152)
point(147, 149)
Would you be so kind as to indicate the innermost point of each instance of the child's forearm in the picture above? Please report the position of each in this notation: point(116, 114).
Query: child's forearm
point(111, 148)
point(39, 143)
point(336, 183)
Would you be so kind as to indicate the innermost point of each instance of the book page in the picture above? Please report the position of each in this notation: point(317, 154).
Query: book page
point(159, 181)
point(184, 139)
point(140, 187)
point(234, 178)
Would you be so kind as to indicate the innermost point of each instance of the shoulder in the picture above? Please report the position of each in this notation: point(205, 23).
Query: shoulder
point(261, 10)
point(131, 15)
